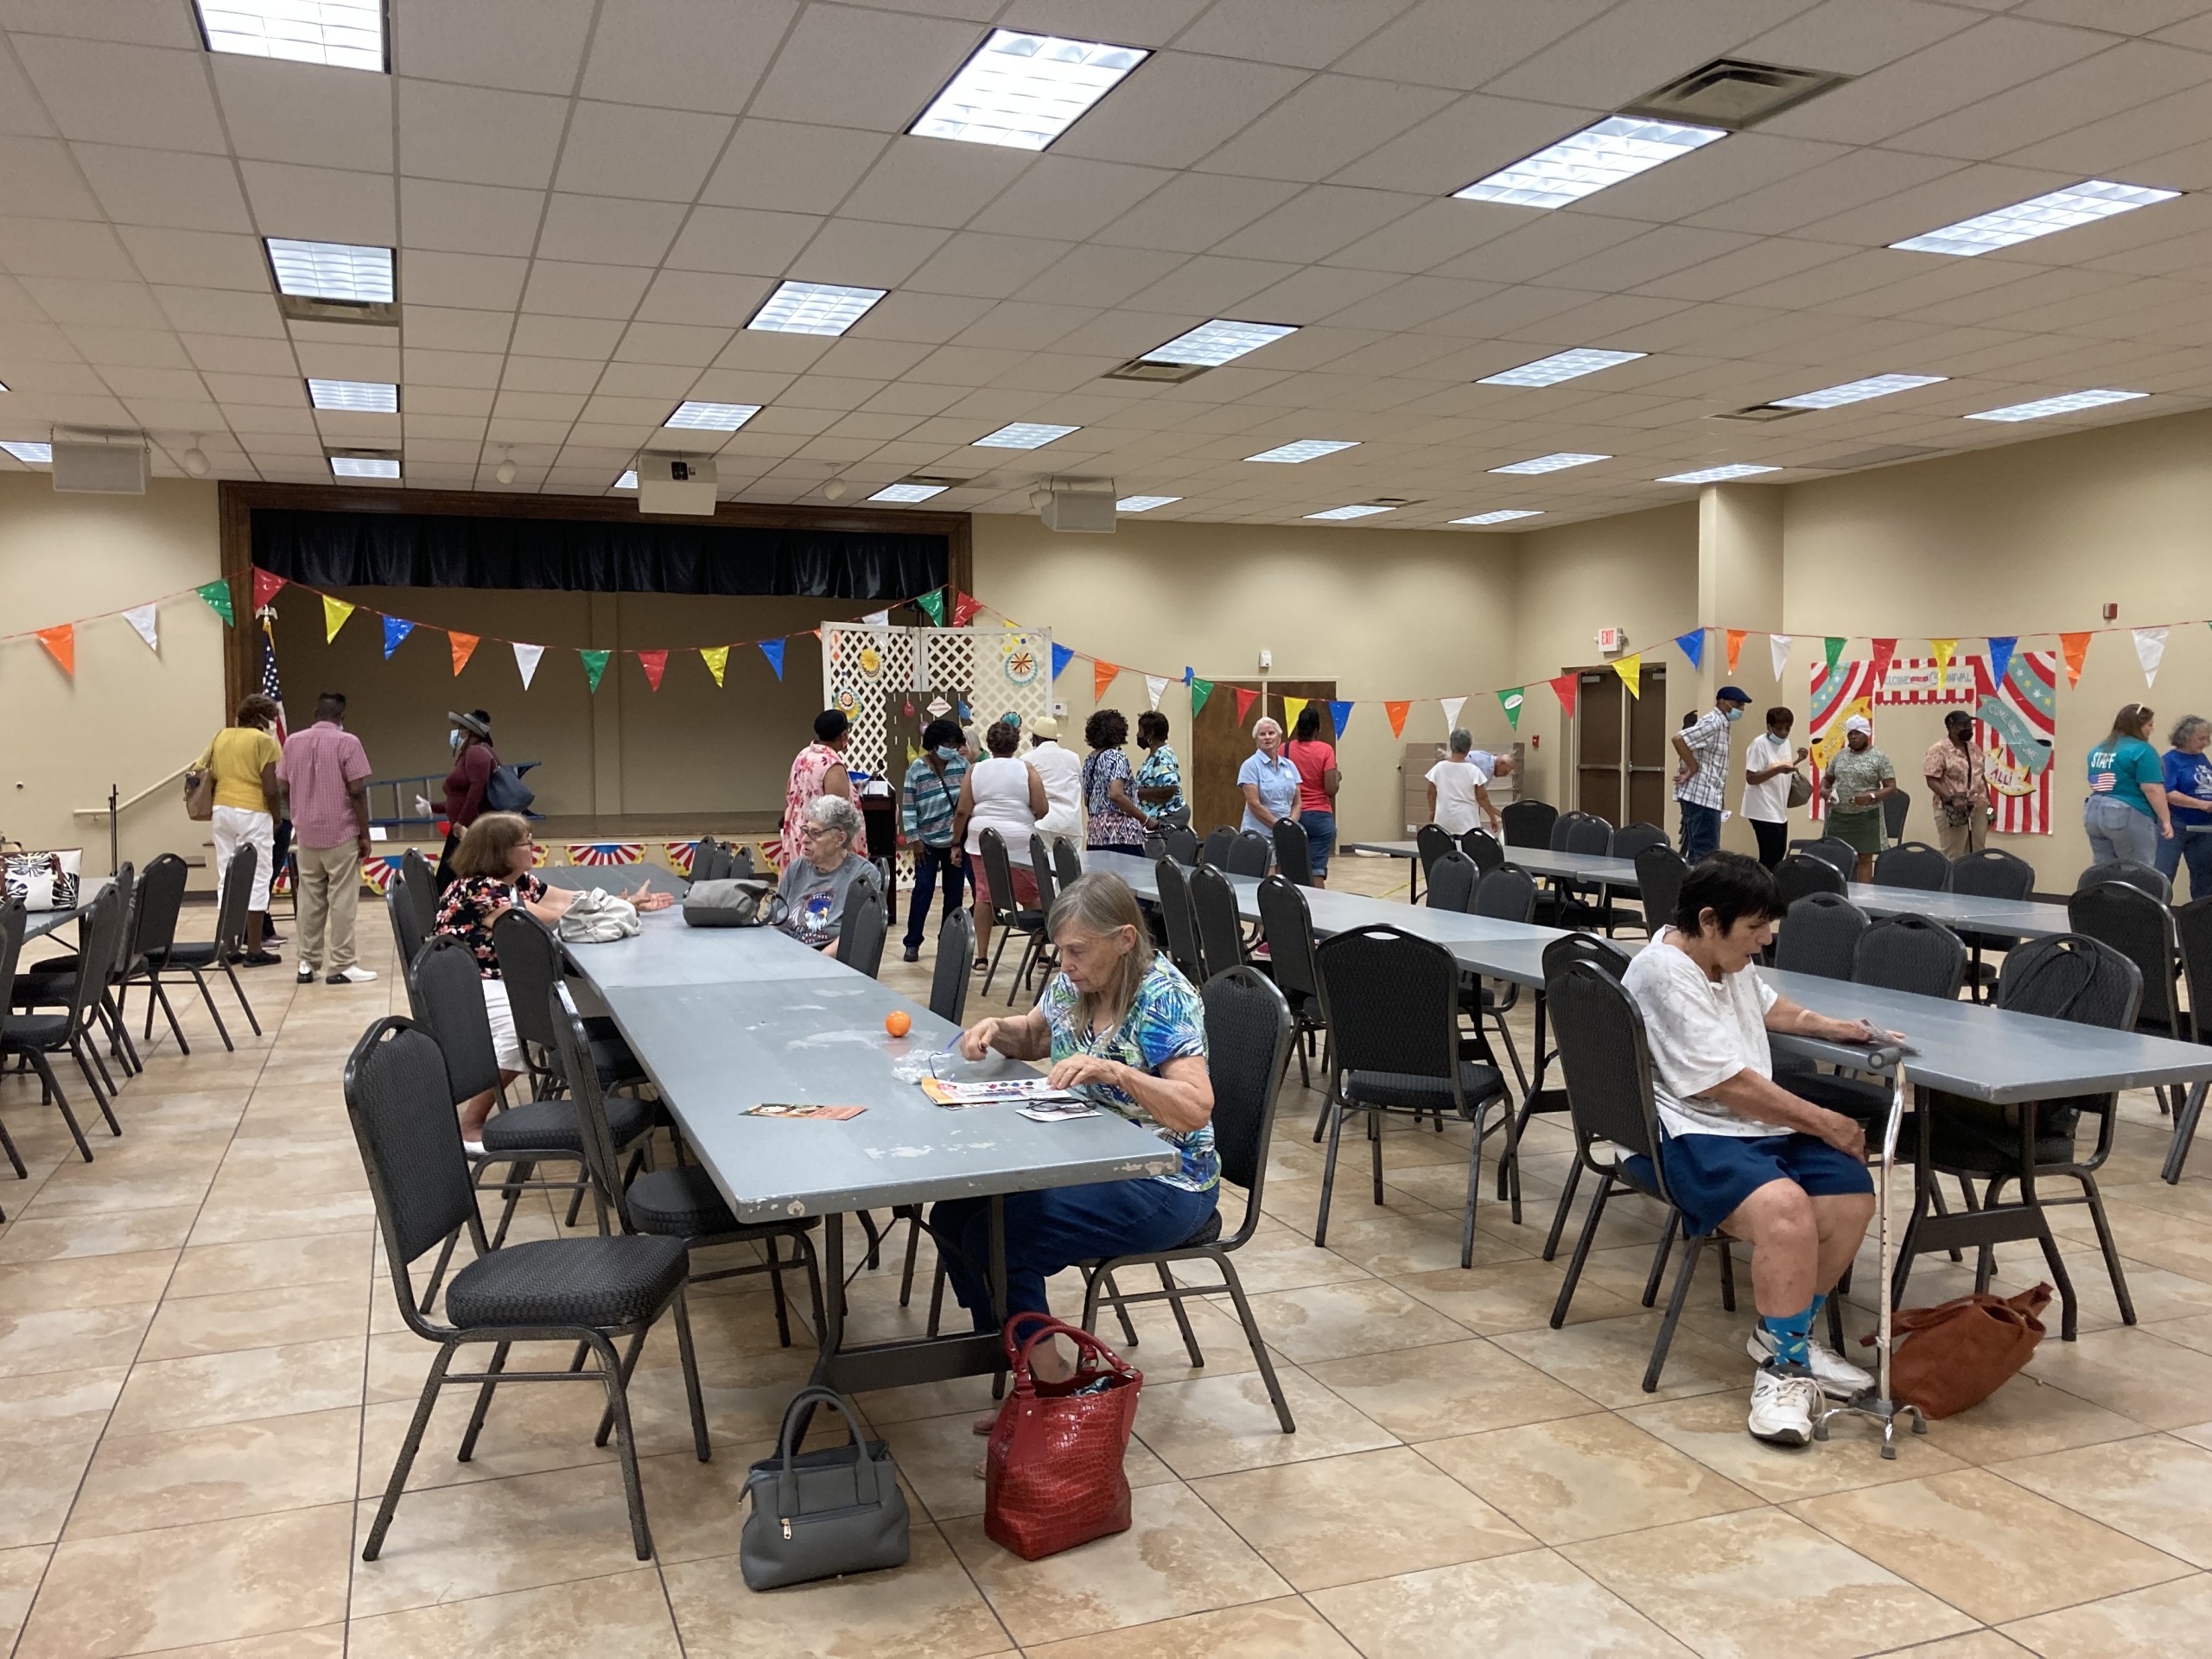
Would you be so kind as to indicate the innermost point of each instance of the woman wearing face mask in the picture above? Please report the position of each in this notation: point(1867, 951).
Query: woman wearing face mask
point(1769, 761)
point(928, 802)
point(473, 759)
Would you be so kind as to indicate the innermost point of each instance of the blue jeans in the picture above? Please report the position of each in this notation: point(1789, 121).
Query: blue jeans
point(1701, 832)
point(928, 861)
point(2116, 830)
point(2193, 845)
point(1055, 1228)
point(1320, 839)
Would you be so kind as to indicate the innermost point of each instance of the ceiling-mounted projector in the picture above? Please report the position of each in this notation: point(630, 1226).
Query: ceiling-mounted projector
point(681, 484)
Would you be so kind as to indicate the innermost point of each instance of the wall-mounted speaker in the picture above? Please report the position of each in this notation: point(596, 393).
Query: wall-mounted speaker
point(100, 469)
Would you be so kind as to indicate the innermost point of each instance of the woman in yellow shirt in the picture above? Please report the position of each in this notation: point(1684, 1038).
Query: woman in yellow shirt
point(243, 757)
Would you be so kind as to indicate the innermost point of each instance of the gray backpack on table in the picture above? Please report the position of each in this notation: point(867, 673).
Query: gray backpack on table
point(735, 901)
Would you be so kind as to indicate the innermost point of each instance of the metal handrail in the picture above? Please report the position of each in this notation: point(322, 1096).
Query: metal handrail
point(113, 812)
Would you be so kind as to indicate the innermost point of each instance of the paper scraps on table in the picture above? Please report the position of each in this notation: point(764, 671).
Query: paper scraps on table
point(989, 1091)
point(1054, 1111)
point(836, 1114)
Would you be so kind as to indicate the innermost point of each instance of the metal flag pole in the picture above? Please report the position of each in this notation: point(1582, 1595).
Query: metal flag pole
point(1879, 1404)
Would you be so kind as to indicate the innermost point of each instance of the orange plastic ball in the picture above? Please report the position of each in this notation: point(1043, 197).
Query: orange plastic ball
point(897, 1023)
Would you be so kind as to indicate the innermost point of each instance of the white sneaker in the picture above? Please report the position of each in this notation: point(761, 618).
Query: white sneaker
point(307, 973)
point(1839, 1378)
point(353, 976)
point(1782, 1404)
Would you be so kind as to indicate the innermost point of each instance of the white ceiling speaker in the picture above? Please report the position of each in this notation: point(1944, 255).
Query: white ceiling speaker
point(195, 460)
point(678, 483)
point(506, 471)
point(1039, 498)
point(834, 490)
point(1077, 505)
point(116, 468)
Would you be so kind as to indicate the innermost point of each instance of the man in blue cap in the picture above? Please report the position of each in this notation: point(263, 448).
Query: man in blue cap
point(1702, 778)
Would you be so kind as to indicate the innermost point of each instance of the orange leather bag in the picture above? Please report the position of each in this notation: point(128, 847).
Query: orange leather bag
point(1957, 1354)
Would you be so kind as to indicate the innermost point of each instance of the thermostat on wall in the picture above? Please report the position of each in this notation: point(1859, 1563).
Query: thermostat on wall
point(1611, 639)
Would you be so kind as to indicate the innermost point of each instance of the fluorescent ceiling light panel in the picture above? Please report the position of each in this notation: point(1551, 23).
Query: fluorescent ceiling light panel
point(1303, 449)
point(1583, 163)
point(1560, 365)
point(628, 481)
point(1023, 434)
point(1553, 463)
point(909, 492)
point(1144, 503)
point(1858, 391)
point(367, 397)
point(1361, 510)
point(345, 33)
point(332, 270)
point(1212, 344)
point(814, 308)
point(1502, 515)
point(1024, 90)
point(712, 417)
point(1716, 474)
point(364, 467)
point(2024, 221)
point(2068, 402)
point(32, 454)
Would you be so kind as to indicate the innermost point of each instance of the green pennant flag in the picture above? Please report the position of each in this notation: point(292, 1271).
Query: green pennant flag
point(1510, 700)
point(217, 595)
point(933, 606)
point(1200, 690)
point(1835, 649)
point(594, 665)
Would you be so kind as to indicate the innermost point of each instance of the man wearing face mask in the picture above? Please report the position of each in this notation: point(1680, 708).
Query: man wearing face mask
point(927, 801)
point(1702, 780)
point(473, 759)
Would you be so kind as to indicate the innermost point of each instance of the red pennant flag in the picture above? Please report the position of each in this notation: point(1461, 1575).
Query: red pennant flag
point(1563, 687)
point(61, 644)
point(464, 646)
point(265, 587)
point(1736, 638)
point(1397, 712)
point(1244, 701)
point(2077, 647)
point(964, 609)
point(1102, 675)
point(655, 663)
point(1884, 651)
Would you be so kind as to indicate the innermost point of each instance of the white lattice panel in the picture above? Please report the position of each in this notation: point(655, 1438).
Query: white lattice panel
point(993, 672)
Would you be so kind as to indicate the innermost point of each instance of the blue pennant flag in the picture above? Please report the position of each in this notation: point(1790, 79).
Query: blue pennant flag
point(1339, 715)
point(1186, 674)
point(1693, 644)
point(1062, 656)
point(395, 630)
point(773, 650)
point(2001, 658)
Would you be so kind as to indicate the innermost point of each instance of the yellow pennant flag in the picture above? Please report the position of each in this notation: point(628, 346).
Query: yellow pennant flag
point(1292, 707)
point(717, 658)
point(334, 613)
point(1631, 669)
point(1943, 650)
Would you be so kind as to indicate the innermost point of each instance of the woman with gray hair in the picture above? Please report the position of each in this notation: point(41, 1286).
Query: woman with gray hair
point(817, 886)
point(1459, 790)
point(2189, 803)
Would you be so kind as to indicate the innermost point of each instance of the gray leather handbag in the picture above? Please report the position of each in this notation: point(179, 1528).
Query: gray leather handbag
point(816, 1515)
point(737, 901)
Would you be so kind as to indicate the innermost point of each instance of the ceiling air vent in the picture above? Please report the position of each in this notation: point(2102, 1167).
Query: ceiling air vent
point(1757, 412)
point(1732, 94)
point(298, 307)
point(1391, 501)
point(939, 479)
point(1173, 374)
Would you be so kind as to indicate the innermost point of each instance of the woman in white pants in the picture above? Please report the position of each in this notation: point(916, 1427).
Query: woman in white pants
point(243, 757)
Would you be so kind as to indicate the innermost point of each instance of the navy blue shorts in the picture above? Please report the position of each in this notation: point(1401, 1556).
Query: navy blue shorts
point(1709, 1176)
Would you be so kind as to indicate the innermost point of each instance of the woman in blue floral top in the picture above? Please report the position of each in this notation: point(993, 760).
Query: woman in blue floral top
point(1127, 1032)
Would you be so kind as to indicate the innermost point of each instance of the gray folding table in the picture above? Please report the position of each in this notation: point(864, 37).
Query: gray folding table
point(37, 924)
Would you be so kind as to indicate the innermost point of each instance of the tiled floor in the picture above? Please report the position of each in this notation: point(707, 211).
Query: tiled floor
point(203, 1378)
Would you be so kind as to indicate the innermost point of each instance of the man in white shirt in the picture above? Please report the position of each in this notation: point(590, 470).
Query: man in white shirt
point(1062, 771)
point(1742, 1156)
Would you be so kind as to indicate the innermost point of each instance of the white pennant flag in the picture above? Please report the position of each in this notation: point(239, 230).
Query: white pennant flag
point(878, 618)
point(141, 617)
point(527, 660)
point(1780, 643)
point(2150, 650)
point(1153, 686)
point(1452, 707)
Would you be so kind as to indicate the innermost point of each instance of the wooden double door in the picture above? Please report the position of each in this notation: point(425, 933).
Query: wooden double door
point(1218, 743)
point(1622, 761)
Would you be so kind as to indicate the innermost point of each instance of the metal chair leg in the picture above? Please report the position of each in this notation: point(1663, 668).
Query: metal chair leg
point(1582, 1242)
point(208, 997)
point(618, 1413)
point(1336, 1109)
point(499, 1352)
point(1182, 1319)
point(408, 1448)
point(690, 1362)
point(1695, 1248)
point(239, 991)
point(1236, 1287)
point(629, 1365)
point(52, 1086)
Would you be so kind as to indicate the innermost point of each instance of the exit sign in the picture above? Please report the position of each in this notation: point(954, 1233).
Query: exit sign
point(1611, 639)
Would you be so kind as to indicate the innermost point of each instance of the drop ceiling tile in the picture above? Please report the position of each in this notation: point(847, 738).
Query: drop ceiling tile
point(1024, 325)
point(704, 299)
point(481, 281)
point(197, 258)
point(607, 230)
point(827, 391)
point(39, 381)
point(580, 290)
point(1091, 276)
point(1066, 197)
point(1535, 248)
point(304, 113)
point(687, 346)
point(1503, 312)
point(151, 186)
point(1177, 107)
point(473, 369)
point(848, 68)
point(1064, 374)
point(358, 358)
point(1318, 292)
point(62, 247)
point(930, 318)
point(1765, 260)
point(119, 305)
point(118, 94)
point(203, 311)
point(743, 240)
point(963, 365)
point(131, 382)
point(619, 150)
point(977, 263)
point(770, 432)
point(857, 253)
point(85, 410)
point(38, 181)
point(512, 406)
point(1849, 181)
point(1856, 37)
point(565, 374)
point(1323, 127)
point(1211, 287)
point(907, 398)
point(475, 401)
point(685, 54)
point(526, 45)
point(769, 353)
point(1447, 43)
point(2130, 74)
point(1194, 211)
point(468, 219)
point(1317, 223)
point(446, 328)
point(1617, 58)
point(228, 354)
point(320, 204)
point(930, 181)
point(474, 134)
point(724, 385)
point(789, 167)
point(642, 393)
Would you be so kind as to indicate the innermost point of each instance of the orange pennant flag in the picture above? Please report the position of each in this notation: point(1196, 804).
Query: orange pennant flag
point(464, 646)
point(1102, 675)
point(1397, 712)
point(2077, 647)
point(1736, 638)
point(61, 644)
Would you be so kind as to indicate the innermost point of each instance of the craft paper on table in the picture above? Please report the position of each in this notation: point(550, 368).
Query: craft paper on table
point(987, 1091)
point(1052, 1111)
point(837, 1114)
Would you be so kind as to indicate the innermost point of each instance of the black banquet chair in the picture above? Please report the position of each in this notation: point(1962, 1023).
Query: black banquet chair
point(1179, 918)
point(1897, 953)
point(2143, 930)
point(1182, 843)
point(1250, 853)
point(1992, 873)
point(1832, 850)
point(32, 1039)
point(1452, 882)
point(1288, 924)
point(1007, 914)
point(1293, 851)
point(1528, 823)
point(1819, 935)
point(1800, 873)
point(591, 1291)
point(1660, 873)
point(2152, 880)
point(1248, 1034)
point(1483, 847)
point(1221, 936)
point(1215, 853)
point(1912, 864)
point(1430, 842)
point(196, 958)
point(956, 944)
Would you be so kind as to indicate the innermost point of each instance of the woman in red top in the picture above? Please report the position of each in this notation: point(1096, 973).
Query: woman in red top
point(473, 758)
point(1316, 761)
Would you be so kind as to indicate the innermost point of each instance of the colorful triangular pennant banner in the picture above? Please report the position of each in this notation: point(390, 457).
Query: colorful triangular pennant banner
point(334, 613)
point(773, 650)
point(395, 630)
point(1832, 646)
point(717, 660)
point(1944, 651)
point(2000, 656)
point(217, 595)
point(143, 618)
point(1292, 707)
point(594, 665)
point(1631, 669)
point(1200, 690)
point(526, 662)
point(1102, 675)
point(1510, 700)
point(655, 663)
point(2076, 647)
point(1396, 713)
point(1736, 638)
point(931, 605)
point(61, 644)
point(964, 607)
point(1693, 644)
point(1339, 715)
point(1563, 687)
point(1062, 656)
point(264, 588)
point(1153, 686)
point(878, 618)
point(1451, 706)
point(1885, 652)
point(464, 647)
point(1779, 643)
point(1244, 703)
point(2150, 651)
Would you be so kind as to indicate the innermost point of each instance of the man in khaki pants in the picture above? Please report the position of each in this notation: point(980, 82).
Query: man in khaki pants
point(327, 771)
point(1958, 776)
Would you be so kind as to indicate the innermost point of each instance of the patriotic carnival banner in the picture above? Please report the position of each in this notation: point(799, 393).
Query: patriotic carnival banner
point(2015, 722)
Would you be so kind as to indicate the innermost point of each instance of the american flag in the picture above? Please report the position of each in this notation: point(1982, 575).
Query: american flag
point(270, 688)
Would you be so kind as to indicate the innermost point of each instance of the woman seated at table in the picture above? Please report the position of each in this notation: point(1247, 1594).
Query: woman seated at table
point(816, 887)
point(491, 875)
point(1127, 1032)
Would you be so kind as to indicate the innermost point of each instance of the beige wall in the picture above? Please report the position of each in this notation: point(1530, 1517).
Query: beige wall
point(129, 716)
point(1385, 613)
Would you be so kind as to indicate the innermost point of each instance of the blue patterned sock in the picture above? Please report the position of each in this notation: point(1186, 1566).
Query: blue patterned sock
point(1789, 1335)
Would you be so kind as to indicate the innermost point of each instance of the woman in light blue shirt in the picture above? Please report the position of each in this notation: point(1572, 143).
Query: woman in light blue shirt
point(1268, 780)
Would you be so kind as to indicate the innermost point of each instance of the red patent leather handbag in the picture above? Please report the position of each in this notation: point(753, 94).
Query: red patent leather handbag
point(1052, 1471)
